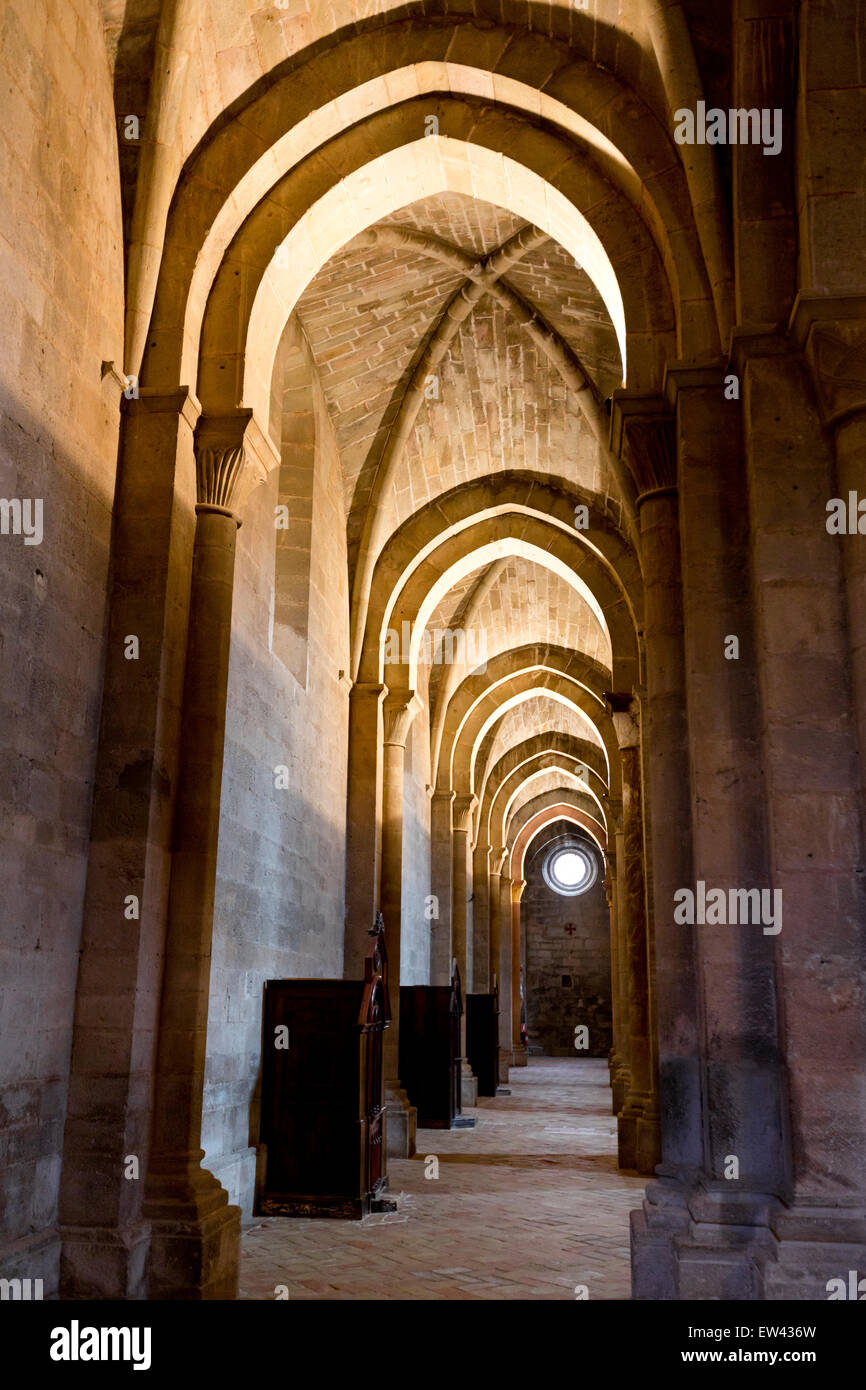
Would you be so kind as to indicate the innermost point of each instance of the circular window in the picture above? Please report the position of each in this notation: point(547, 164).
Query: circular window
point(570, 870)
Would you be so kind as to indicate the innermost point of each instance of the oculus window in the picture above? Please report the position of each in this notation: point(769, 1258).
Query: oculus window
point(570, 870)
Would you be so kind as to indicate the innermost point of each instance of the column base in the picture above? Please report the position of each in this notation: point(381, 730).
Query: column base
point(638, 1136)
point(468, 1086)
point(620, 1082)
point(818, 1253)
point(195, 1235)
point(519, 1057)
point(401, 1124)
point(694, 1240)
point(98, 1262)
point(649, 1143)
point(680, 1252)
point(667, 1267)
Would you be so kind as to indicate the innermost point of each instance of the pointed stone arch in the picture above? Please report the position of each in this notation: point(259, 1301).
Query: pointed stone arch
point(528, 670)
point(501, 802)
point(600, 552)
point(541, 781)
point(536, 814)
point(507, 533)
point(568, 748)
point(282, 120)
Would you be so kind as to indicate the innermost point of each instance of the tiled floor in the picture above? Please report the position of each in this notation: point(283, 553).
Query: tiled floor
point(527, 1205)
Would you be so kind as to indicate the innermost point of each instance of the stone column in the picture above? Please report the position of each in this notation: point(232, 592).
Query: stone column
point(363, 826)
point(620, 1075)
point(506, 1041)
point(638, 1122)
point(649, 433)
point(441, 867)
point(195, 1234)
point(482, 962)
point(398, 713)
point(464, 805)
point(495, 897)
point(518, 1050)
point(669, 807)
point(744, 1105)
point(610, 899)
point(814, 816)
point(105, 1237)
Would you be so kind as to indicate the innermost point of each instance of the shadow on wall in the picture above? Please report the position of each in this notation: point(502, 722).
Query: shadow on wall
point(53, 627)
point(280, 893)
point(132, 47)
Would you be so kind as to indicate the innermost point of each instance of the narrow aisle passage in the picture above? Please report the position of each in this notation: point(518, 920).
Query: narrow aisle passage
point(527, 1205)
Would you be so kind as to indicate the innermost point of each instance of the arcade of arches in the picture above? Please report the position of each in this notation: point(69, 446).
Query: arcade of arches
point(433, 458)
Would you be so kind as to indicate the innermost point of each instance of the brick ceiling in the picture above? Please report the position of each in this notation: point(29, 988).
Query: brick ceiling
point(539, 715)
point(367, 316)
point(527, 604)
point(498, 404)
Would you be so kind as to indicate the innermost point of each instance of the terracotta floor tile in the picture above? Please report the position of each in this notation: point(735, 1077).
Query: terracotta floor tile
point(528, 1204)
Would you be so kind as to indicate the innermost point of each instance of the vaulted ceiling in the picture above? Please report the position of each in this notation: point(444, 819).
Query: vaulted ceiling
point(491, 402)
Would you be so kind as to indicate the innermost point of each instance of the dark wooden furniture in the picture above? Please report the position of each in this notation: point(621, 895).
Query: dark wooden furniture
point(322, 1107)
point(482, 1039)
point(430, 1050)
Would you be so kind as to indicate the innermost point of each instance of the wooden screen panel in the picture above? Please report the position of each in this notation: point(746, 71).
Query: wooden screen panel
point(428, 1055)
point(311, 1091)
point(482, 1041)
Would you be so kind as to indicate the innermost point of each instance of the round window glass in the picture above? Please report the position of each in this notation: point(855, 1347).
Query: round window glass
point(570, 870)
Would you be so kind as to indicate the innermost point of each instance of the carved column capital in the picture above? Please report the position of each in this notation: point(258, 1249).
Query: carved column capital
point(625, 717)
point(517, 887)
point(687, 376)
point(398, 712)
point(498, 856)
point(367, 690)
point(464, 805)
point(643, 432)
point(232, 456)
point(443, 796)
point(831, 332)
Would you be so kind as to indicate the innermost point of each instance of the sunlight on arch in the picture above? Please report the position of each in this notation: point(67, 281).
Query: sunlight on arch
point(473, 519)
point(551, 814)
point(511, 703)
point(340, 114)
point(537, 672)
point(429, 166)
point(507, 548)
point(574, 782)
point(564, 757)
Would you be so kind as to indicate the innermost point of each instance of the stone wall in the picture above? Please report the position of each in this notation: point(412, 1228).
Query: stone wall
point(280, 896)
point(567, 972)
point(61, 303)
